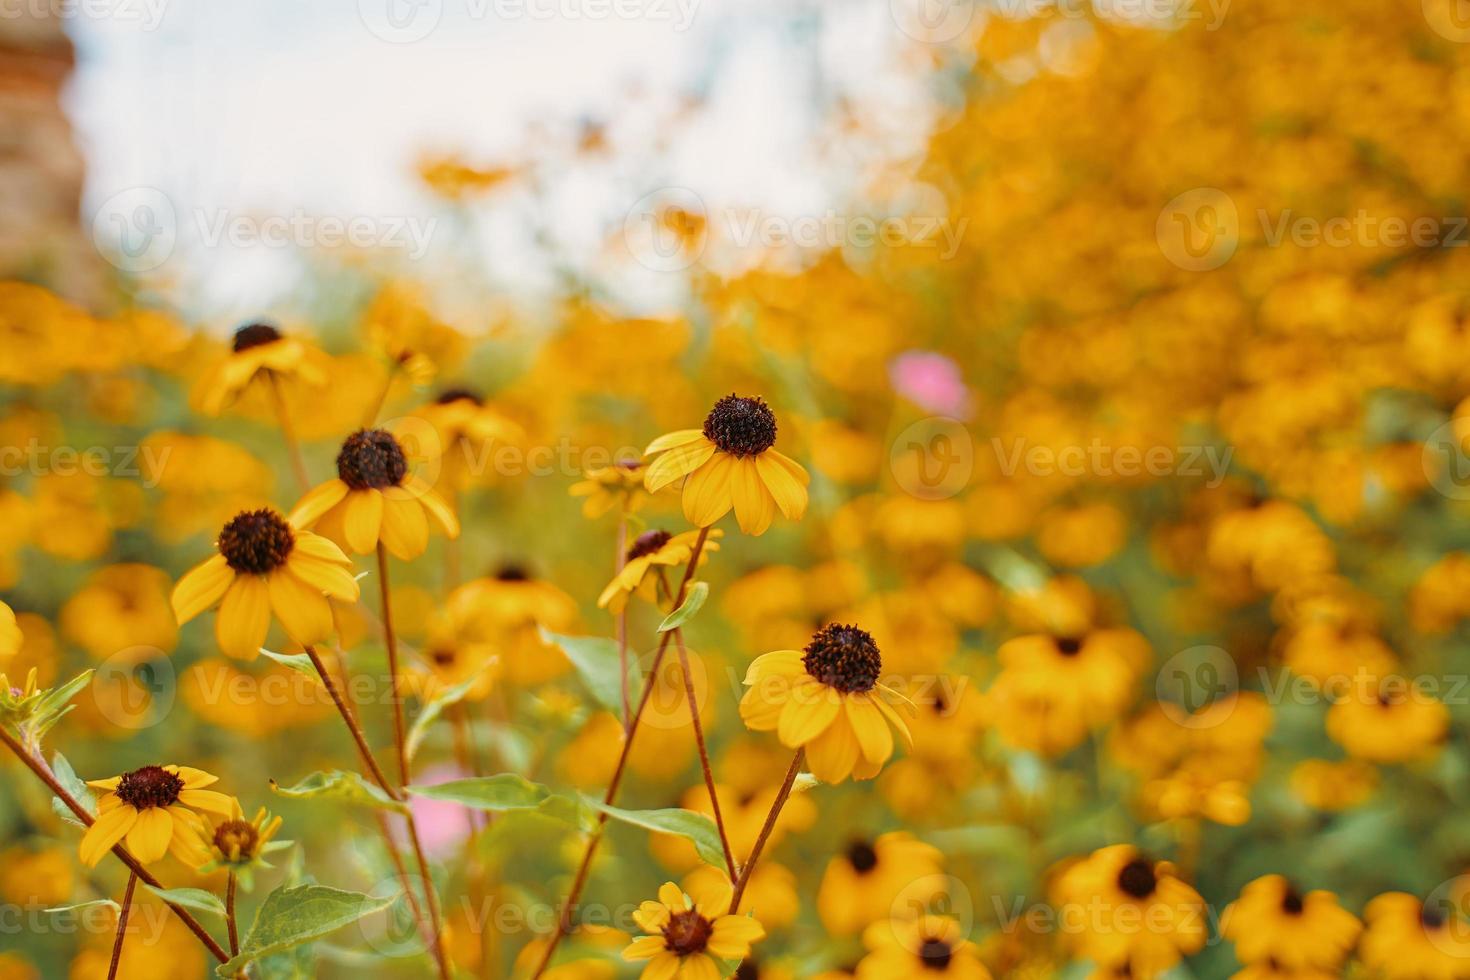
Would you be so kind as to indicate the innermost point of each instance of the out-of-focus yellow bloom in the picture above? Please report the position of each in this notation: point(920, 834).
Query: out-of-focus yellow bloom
point(1274, 923)
point(122, 607)
point(258, 352)
point(1388, 719)
point(607, 488)
point(1406, 939)
point(862, 883)
point(469, 433)
point(649, 557)
point(509, 611)
point(926, 946)
point(1334, 785)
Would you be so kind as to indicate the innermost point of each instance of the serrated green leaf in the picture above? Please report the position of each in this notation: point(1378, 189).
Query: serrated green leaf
point(73, 784)
point(296, 661)
point(693, 602)
point(335, 784)
point(191, 898)
point(504, 793)
point(696, 827)
point(596, 661)
point(293, 964)
point(290, 917)
point(80, 906)
point(434, 708)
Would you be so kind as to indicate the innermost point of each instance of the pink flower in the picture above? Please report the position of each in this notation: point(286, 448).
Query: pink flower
point(443, 827)
point(931, 381)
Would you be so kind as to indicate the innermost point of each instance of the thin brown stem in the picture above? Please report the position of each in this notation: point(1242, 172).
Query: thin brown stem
point(390, 639)
point(43, 772)
point(564, 921)
point(122, 926)
point(709, 777)
point(288, 432)
point(230, 916)
point(766, 829)
point(358, 736)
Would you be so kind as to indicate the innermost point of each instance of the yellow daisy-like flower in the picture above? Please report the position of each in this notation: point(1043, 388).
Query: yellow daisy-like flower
point(861, 884)
point(926, 946)
point(1388, 720)
point(467, 430)
point(651, 552)
point(258, 350)
point(1411, 940)
point(265, 566)
point(155, 809)
point(237, 844)
point(375, 498)
point(827, 700)
point(619, 486)
point(690, 934)
point(730, 463)
point(1272, 922)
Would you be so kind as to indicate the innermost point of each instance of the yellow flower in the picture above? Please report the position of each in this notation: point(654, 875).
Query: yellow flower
point(508, 611)
point(375, 499)
point(690, 934)
point(265, 566)
point(1388, 720)
point(237, 844)
point(928, 946)
point(258, 350)
point(155, 809)
point(862, 883)
point(619, 486)
point(828, 701)
point(467, 431)
point(453, 652)
point(1334, 785)
point(1410, 940)
point(653, 550)
point(1273, 922)
point(10, 635)
point(121, 606)
point(1132, 914)
point(730, 463)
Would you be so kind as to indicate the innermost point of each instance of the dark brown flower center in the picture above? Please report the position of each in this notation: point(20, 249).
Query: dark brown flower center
point(1137, 878)
point(151, 786)
point(748, 970)
point(256, 541)
point(843, 657)
point(686, 933)
point(741, 426)
point(1069, 646)
point(449, 395)
point(861, 856)
point(236, 838)
point(512, 573)
point(371, 459)
point(647, 543)
point(1432, 918)
point(442, 657)
point(1291, 902)
point(935, 954)
point(254, 335)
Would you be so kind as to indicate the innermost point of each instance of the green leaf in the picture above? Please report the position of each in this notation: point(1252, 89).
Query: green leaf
point(296, 661)
point(73, 784)
point(196, 899)
point(64, 812)
point(290, 917)
point(504, 793)
point(55, 706)
point(82, 906)
point(596, 661)
point(293, 964)
point(696, 827)
point(693, 602)
point(435, 706)
point(334, 784)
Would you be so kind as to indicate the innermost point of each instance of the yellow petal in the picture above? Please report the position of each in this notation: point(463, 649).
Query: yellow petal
point(244, 617)
point(405, 530)
point(301, 608)
point(672, 895)
point(676, 463)
point(895, 720)
point(833, 753)
point(711, 895)
point(201, 587)
point(761, 710)
point(362, 518)
point(870, 728)
point(779, 663)
point(698, 967)
point(151, 833)
point(327, 577)
point(707, 491)
point(434, 505)
point(209, 800)
point(673, 440)
point(809, 712)
point(651, 916)
point(644, 948)
point(315, 546)
point(193, 778)
point(109, 828)
point(318, 501)
point(664, 966)
point(754, 506)
point(787, 489)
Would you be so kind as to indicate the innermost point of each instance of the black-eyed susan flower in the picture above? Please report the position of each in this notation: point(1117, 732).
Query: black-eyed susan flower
point(156, 808)
point(509, 610)
point(861, 884)
point(690, 934)
point(1328, 785)
point(606, 488)
point(651, 553)
point(926, 946)
point(375, 499)
point(266, 567)
point(1388, 720)
point(826, 700)
point(731, 462)
point(258, 350)
point(1128, 913)
point(468, 430)
point(454, 652)
point(1407, 939)
point(1273, 922)
point(239, 845)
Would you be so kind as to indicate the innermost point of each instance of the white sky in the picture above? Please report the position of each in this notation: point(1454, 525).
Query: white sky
point(229, 112)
